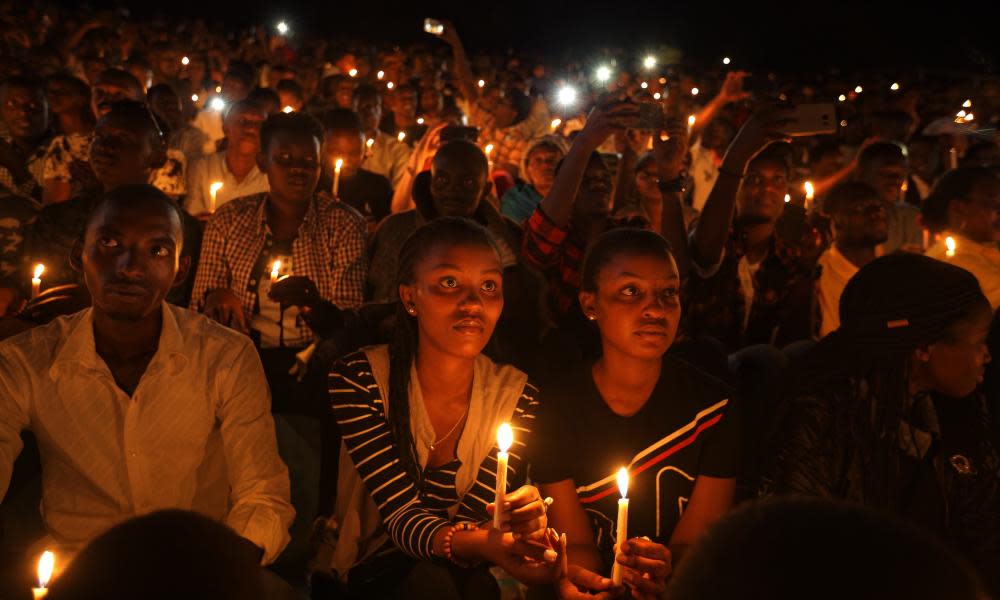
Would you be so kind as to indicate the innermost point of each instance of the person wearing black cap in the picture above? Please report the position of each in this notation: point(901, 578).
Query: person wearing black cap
point(882, 412)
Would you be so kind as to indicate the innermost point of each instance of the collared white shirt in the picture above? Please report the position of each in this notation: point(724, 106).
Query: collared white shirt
point(982, 260)
point(197, 434)
point(209, 121)
point(209, 169)
point(388, 157)
point(835, 272)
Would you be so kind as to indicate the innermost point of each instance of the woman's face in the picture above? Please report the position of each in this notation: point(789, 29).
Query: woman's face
point(954, 367)
point(457, 297)
point(636, 305)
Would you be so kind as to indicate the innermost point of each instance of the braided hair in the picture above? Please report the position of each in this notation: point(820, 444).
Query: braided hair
point(444, 231)
point(891, 307)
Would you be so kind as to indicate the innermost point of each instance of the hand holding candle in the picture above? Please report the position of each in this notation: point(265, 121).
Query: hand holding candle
point(45, 565)
point(36, 280)
point(622, 533)
point(505, 438)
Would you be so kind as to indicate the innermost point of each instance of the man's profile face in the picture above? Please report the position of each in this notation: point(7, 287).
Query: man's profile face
point(131, 257)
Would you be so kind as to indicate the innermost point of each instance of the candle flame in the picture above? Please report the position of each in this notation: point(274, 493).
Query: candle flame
point(951, 244)
point(45, 565)
point(649, 62)
point(481, 83)
point(401, 136)
point(194, 97)
point(657, 96)
point(185, 61)
point(337, 165)
point(691, 120)
point(370, 142)
point(841, 98)
point(623, 481)
point(215, 187)
point(39, 269)
point(287, 110)
point(644, 84)
point(788, 198)
point(420, 120)
point(275, 269)
point(894, 87)
point(695, 91)
point(967, 104)
point(726, 60)
point(380, 75)
point(556, 123)
point(970, 117)
point(810, 191)
point(390, 85)
point(505, 437)
point(353, 72)
point(858, 89)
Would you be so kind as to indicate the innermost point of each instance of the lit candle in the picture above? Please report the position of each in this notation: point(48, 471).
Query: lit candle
point(390, 85)
point(420, 120)
point(691, 120)
point(380, 75)
point(695, 91)
point(505, 437)
point(788, 198)
point(275, 270)
point(288, 110)
point(810, 194)
point(622, 534)
point(194, 97)
point(36, 280)
point(489, 160)
point(967, 104)
point(370, 143)
point(336, 177)
point(482, 83)
point(185, 61)
point(353, 72)
point(952, 245)
point(45, 566)
point(213, 190)
point(555, 124)
point(401, 136)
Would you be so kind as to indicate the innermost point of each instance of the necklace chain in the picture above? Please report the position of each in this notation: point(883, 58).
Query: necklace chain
point(452, 430)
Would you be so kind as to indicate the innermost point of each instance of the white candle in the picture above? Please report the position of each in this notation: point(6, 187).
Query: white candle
point(36, 280)
point(622, 534)
point(45, 565)
point(275, 271)
point(810, 194)
point(505, 437)
point(213, 190)
point(336, 177)
point(951, 246)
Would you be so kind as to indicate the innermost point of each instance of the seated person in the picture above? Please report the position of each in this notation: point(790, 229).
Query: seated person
point(800, 547)
point(126, 148)
point(235, 167)
point(969, 199)
point(25, 113)
point(317, 242)
point(457, 187)
point(368, 193)
point(669, 425)
point(181, 135)
point(884, 166)
point(138, 405)
point(68, 171)
point(882, 412)
point(859, 226)
point(386, 155)
point(166, 555)
point(539, 172)
point(419, 420)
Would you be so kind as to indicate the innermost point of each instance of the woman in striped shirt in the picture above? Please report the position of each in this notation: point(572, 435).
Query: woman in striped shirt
point(418, 419)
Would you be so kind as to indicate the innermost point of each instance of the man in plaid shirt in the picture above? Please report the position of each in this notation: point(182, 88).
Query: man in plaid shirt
point(319, 242)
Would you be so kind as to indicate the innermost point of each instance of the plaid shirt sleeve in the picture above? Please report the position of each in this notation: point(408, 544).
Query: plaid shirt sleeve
point(349, 257)
point(543, 240)
point(213, 271)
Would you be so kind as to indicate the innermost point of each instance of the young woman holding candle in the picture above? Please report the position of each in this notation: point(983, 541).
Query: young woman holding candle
point(668, 424)
point(419, 420)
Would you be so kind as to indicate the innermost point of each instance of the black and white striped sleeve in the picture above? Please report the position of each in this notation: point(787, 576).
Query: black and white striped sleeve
point(357, 407)
point(483, 491)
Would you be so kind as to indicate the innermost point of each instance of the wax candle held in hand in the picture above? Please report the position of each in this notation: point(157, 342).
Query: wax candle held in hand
point(36, 281)
point(213, 190)
point(337, 166)
point(45, 565)
point(275, 271)
point(505, 438)
point(622, 534)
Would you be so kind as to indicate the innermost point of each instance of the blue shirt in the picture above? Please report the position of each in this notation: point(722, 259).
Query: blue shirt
point(519, 202)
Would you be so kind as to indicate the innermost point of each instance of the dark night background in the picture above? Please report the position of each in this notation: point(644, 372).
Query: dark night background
point(782, 35)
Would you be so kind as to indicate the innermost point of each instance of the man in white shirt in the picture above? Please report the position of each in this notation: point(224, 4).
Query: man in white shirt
point(138, 405)
point(860, 224)
point(235, 167)
point(970, 197)
point(386, 155)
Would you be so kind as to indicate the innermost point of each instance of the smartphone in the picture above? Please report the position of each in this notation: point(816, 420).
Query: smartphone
point(433, 26)
point(651, 117)
point(452, 133)
point(812, 119)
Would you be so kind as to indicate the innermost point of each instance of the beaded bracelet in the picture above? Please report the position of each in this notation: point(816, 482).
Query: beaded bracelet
point(448, 554)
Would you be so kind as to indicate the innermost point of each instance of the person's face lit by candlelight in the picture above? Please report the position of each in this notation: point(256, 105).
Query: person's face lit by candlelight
point(456, 293)
point(647, 180)
point(291, 160)
point(24, 110)
point(458, 179)
point(344, 145)
point(761, 198)
point(113, 86)
point(541, 167)
point(130, 253)
point(242, 128)
point(593, 199)
point(635, 303)
point(368, 106)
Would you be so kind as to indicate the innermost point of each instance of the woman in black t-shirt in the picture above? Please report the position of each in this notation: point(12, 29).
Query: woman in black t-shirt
point(669, 424)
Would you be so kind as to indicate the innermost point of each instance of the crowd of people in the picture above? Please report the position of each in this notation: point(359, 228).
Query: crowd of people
point(266, 301)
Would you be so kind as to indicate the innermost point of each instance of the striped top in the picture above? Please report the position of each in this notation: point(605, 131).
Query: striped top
point(412, 514)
